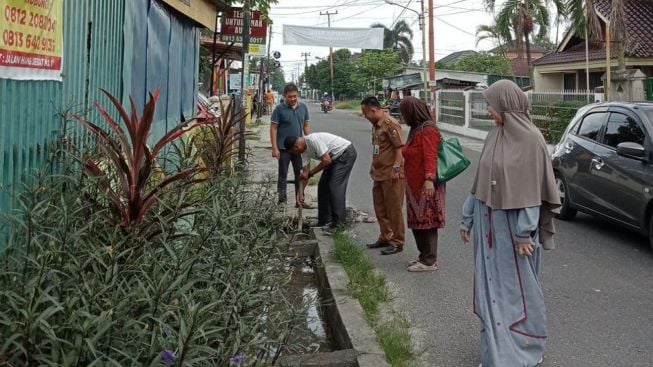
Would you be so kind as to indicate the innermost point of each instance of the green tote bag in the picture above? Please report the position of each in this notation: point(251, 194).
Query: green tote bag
point(451, 160)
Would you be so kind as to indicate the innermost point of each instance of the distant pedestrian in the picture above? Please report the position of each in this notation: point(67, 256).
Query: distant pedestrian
point(269, 97)
point(289, 119)
point(510, 209)
point(388, 175)
point(337, 157)
point(425, 200)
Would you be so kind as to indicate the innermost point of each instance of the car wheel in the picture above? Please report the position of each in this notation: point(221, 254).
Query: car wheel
point(566, 212)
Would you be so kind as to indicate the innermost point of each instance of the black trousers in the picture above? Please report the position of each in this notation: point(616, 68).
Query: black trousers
point(332, 189)
point(427, 244)
point(282, 182)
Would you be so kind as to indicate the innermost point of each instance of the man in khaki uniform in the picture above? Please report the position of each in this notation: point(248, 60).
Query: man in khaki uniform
point(388, 175)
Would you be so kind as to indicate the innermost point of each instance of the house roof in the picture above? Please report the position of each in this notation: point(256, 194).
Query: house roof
point(639, 25)
point(510, 46)
point(453, 58)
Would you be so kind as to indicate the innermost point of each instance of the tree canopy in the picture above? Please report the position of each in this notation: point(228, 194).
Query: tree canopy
point(398, 38)
point(352, 77)
point(485, 63)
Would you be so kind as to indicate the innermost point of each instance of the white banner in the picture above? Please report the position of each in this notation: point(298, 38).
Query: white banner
point(367, 38)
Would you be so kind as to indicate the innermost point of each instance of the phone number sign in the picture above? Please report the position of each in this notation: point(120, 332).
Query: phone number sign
point(31, 43)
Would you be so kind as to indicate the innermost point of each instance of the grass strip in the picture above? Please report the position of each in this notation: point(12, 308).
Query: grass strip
point(371, 291)
point(348, 105)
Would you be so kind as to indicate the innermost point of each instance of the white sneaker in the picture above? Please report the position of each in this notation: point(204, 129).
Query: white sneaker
point(419, 267)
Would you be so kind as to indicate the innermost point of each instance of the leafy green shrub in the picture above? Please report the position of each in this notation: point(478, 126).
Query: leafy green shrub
point(552, 118)
point(75, 291)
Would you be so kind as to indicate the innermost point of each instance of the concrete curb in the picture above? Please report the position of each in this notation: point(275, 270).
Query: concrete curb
point(360, 334)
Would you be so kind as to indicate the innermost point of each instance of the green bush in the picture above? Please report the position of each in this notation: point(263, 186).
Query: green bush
point(552, 118)
point(76, 290)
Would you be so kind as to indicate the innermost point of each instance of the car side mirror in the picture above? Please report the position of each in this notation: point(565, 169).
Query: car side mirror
point(630, 149)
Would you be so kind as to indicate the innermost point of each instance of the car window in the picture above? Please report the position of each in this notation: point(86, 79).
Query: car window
point(591, 125)
point(649, 113)
point(622, 128)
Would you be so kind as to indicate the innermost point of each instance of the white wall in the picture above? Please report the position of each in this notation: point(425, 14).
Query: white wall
point(548, 81)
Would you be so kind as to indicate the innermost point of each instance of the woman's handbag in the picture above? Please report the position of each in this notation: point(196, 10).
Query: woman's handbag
point(451, 160)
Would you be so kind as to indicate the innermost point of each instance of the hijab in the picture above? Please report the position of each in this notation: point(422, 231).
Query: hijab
point(416, 114)
point(515, 169)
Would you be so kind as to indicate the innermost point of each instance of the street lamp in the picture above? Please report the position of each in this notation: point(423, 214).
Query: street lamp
point(422, 28)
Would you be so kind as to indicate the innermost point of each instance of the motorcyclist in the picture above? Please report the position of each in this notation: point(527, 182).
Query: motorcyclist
point(382, 100)
point(326, 101)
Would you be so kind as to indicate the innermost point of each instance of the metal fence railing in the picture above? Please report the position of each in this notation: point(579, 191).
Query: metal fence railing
point(451, 107)
point(551, 111)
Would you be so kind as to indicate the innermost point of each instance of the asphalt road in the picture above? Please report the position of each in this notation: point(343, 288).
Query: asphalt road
point(598, 283)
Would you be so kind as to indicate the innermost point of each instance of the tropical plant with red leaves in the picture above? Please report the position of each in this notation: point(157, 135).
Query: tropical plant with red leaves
point(215, 141)
point(126, 169)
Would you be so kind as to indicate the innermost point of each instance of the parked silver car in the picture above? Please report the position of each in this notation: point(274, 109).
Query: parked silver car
point(604, 165)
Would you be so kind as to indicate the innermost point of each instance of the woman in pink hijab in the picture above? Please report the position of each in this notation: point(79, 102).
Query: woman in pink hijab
point(510, 210)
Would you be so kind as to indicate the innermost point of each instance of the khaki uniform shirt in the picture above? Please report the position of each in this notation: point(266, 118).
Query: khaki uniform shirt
point(386, 139)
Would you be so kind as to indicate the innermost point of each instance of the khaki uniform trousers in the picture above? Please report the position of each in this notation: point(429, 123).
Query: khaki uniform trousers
point(388, 197)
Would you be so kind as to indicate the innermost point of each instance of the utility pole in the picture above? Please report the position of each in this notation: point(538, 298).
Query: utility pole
point(243, 77)
point(329, 14)
point(431, 53)
point(305, 55)
point(267, 65)
point(213, 55)
point(422, 27)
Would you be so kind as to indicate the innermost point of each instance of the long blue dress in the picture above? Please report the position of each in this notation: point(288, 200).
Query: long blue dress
point(507, 294)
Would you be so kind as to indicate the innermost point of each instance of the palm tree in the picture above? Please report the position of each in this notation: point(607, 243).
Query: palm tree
point(490, 32)
point(398, 38)
point(519, 17)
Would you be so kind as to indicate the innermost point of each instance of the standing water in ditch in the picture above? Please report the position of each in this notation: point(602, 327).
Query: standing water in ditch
point(313, 336)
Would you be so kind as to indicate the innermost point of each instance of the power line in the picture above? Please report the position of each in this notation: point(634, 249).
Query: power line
point(375, 2)
point(400, 15)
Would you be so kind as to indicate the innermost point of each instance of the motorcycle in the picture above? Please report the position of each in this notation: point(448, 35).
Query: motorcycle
point(325, 106)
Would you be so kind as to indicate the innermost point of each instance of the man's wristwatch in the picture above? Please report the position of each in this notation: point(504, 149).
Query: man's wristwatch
point(397, 168)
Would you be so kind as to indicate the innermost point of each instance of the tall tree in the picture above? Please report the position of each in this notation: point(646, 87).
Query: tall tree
point(373, 66)
point(490, 33)
point(520, 17)
point(398, 38)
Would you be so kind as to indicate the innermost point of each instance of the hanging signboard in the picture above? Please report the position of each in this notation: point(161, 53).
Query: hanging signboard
point(31, 47)
point(232, 30)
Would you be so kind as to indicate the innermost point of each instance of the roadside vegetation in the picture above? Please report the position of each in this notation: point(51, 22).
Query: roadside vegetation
point(139, 256)
point(371, 291)
point(348, 105)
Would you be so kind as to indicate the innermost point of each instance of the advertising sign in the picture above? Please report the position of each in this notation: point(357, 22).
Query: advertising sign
point(232, 27)
point(31, 47)
point(234, 81)
point(257, 50)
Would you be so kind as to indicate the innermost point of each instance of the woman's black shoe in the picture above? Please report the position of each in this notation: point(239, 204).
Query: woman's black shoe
point(378, 244)
point(392, 250)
